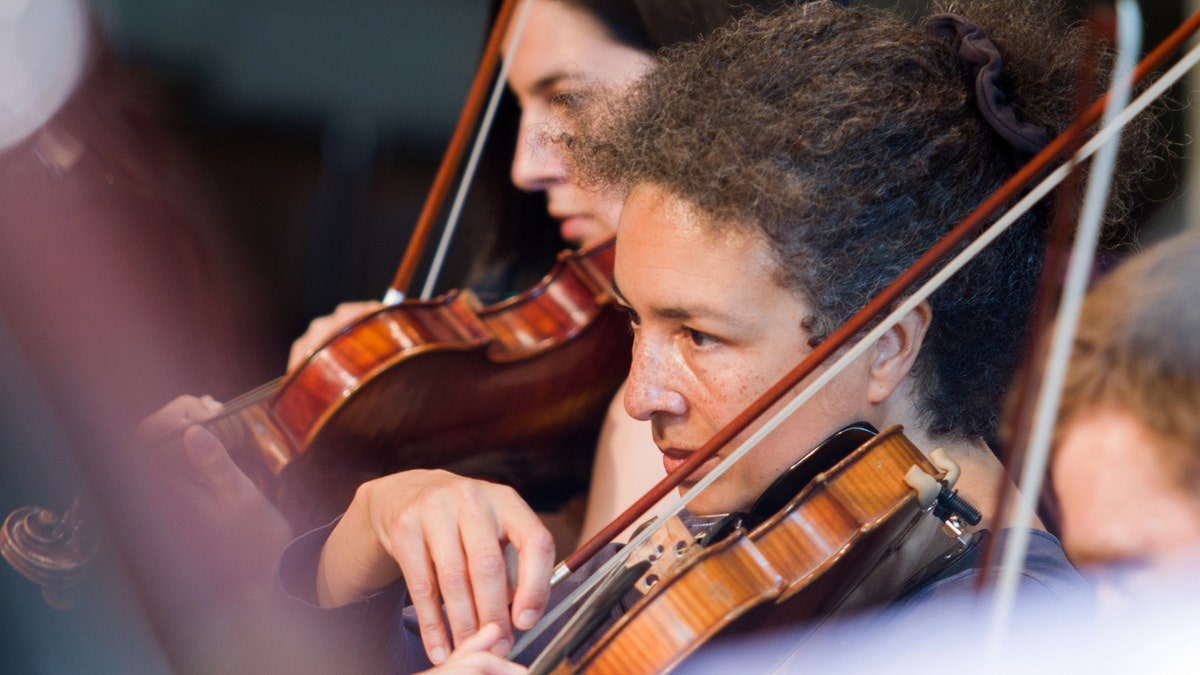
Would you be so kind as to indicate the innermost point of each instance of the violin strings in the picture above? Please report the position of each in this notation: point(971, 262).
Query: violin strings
point(590, 616)
point(249, 398)
point(229, 409)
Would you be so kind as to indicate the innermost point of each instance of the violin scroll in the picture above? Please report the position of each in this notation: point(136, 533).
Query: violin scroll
point(50, 550)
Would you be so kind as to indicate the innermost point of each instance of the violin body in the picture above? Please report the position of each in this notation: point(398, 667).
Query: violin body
point(513, 392)
point(857, 535)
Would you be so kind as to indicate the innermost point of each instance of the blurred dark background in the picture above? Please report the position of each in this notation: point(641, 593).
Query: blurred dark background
point(316, 128)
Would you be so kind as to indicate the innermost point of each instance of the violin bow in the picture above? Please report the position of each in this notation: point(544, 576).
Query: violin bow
point(437, 195)
point(896, 292)
point(454, 154)
point(1054, 366)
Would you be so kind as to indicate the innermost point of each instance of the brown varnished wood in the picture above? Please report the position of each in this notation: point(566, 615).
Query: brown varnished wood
point(50, 549)
point(807, 561)
point(512, 392)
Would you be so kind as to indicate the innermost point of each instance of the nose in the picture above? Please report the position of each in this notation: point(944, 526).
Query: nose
point(537, 163)
point(650, 389)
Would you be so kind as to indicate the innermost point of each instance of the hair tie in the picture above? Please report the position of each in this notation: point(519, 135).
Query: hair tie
point(975, 48)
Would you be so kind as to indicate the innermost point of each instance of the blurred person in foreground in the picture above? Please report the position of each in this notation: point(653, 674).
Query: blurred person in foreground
point(1126, 467)
point(117, 292)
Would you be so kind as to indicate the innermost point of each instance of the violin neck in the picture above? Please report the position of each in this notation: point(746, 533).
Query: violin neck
point(255, 442)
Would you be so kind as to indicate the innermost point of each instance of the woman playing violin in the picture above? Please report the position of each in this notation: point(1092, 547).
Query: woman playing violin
point(568, 49)
point(776, 176)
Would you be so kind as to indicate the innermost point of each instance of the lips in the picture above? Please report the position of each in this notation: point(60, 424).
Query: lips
point(673, 458)
point(573, 229)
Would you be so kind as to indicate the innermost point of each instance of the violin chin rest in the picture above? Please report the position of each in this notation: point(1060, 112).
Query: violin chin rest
point(927, 487)
point(942, 460)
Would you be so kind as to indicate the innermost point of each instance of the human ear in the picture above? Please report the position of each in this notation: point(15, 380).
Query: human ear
point(896, 351)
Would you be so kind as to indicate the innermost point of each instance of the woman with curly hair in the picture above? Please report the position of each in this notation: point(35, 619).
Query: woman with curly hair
point(775, 176)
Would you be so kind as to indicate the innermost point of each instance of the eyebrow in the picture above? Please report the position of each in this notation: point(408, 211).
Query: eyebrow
point(675, 313)
point(550, 80)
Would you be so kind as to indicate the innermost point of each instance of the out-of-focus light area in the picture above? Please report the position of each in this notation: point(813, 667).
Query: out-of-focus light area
point(184, 185)
point(42, 50)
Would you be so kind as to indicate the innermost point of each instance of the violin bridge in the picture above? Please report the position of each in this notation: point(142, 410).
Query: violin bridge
point(668, 546)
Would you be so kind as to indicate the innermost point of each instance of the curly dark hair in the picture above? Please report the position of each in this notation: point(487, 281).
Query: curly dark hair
point(852, 139)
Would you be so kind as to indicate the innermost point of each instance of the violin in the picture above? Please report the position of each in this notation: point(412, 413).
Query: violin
point(875, 520)
point(500, 392)
point(512, 392)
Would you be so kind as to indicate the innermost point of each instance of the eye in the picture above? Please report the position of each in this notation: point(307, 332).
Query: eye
point(569, 101)
point(699, 338)
point(634, 319)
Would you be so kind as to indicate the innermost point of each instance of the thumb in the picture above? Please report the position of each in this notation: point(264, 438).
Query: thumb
point(210, 458)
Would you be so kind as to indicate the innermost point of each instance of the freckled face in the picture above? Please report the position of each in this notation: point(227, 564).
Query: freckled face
point(565, 53)
point(713, 330)
point(1118, 500)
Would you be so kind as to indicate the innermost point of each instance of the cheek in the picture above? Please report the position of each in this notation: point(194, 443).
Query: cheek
point(728, 396)
point(1076, 491)
point(608, 214)
point(735, 387)
point(720, 390)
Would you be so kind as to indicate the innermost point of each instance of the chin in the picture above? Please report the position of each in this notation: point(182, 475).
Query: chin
point(588, 241)
point(712, 505)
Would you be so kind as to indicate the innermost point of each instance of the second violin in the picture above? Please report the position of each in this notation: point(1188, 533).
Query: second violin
point(512, 392)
